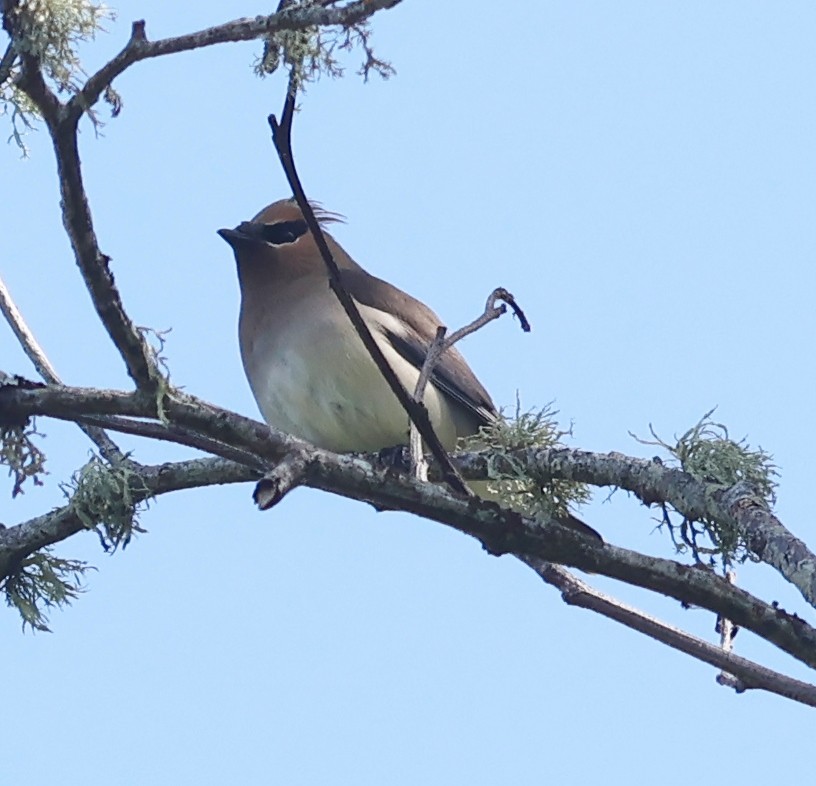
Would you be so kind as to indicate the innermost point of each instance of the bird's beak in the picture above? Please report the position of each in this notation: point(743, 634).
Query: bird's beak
point(232, 236)
point(241, 235)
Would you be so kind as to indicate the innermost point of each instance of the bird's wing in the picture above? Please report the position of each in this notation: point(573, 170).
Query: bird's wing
point(418, 325)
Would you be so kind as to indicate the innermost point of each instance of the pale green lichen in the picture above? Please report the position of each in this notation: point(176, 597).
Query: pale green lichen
point(707, 452)
point(313, 52)
point(42, 581)
point(107, 499)
point(51, 31)
point(513, 483)
point(22, 112)
point(23, 458)
point(301, 51)
point(155, 341)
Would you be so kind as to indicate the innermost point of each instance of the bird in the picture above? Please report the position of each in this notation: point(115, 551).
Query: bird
point(309, 371)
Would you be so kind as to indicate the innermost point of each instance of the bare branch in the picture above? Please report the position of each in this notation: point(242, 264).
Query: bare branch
point(747, 674)
point(176, 434)
point(419, 465)
point(68, 403)
point(107, 447)
point(293, 18)
point(30, 346)
point(95, 266)
point(76, 217)
point(417, 413)
point(439, 346)
point(491, 312)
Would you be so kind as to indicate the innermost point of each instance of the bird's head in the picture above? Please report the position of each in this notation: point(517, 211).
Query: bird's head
point(279, 227)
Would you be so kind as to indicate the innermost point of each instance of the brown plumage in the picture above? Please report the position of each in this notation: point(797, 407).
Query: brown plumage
point(308, 369)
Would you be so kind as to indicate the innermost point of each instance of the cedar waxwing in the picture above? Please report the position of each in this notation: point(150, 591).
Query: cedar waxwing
point(309, 370)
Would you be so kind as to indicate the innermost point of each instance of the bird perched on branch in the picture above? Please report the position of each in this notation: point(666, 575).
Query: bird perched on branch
point(309, 370)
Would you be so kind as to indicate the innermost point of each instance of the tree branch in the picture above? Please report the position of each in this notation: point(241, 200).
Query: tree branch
point(575, 592)
point(648, 480)
point(160, 479)
point(654, 483)
point(500, 531)
point(176, 434)
point(76, 217)
point(18, 541)
point(286, 475)
point(293, 18)
point(107, 447)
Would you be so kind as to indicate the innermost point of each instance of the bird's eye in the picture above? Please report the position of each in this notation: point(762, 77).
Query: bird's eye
point(283, 232)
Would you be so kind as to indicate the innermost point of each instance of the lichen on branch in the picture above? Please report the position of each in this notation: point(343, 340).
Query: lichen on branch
point(107, 499)
point(19, 453)
point(43, 581)
point(516, 484)
point(707, 453)
point(50, 32)
point(312, 52)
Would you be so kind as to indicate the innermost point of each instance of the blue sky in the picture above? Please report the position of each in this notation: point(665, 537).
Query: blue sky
point(641, 176)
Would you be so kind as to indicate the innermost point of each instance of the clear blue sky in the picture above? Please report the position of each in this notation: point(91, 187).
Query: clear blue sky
point(641, 175)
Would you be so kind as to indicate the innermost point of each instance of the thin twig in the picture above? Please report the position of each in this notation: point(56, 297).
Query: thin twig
point(177, 435)
point(107, 447)
point(419, 465)
point(417, 413)
point(26, 338)
point(439, 346)
point(491, 312)
point(750, 675)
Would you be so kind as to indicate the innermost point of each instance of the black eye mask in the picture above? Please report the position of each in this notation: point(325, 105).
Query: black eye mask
point(283, 232)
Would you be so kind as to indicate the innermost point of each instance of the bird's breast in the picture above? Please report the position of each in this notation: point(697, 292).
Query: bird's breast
point(312, 376)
